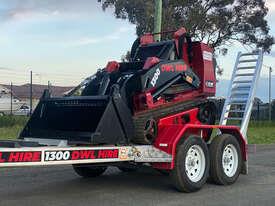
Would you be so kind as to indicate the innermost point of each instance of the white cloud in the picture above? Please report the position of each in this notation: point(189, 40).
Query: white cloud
point(94, 40)
point(14, 10)
point(5, 69)
point(271, 5)
point(272, 53)
point(21, 15)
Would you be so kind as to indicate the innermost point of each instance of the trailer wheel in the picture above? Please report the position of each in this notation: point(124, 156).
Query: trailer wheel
point(89, 171)
point(225, 159)
point(191, 165)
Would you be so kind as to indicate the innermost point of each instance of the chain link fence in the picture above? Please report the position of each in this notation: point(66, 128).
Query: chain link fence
point(260, 110)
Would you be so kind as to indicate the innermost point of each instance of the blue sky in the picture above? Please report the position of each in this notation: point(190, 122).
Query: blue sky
point(64, 41)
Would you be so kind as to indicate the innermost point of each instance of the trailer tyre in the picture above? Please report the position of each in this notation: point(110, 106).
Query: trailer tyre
point(89, 171)
point(225, 159)
point(191, 165)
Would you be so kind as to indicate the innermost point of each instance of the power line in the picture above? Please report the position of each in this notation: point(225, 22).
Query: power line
point(43, 73)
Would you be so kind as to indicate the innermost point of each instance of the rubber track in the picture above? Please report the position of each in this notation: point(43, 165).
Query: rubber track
point(140, 119)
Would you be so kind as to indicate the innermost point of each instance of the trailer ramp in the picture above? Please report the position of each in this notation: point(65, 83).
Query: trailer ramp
point(239, 102)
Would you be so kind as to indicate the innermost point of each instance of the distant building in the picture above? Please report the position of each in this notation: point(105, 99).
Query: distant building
point(4, 90)
point(21, 94)
point(23, 91)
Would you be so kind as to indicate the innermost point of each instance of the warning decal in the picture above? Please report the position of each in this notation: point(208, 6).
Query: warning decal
point(207, 56)
point(11, 157)
point(80, 155)
point(58, 155)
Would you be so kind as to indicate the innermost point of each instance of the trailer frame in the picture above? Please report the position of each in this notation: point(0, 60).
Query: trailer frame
point(161, 155)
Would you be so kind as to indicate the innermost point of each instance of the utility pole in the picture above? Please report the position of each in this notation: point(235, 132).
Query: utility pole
point(157, 19)
point(270, 101)
point(31, 94)
point(49, 85)
point(11, 98)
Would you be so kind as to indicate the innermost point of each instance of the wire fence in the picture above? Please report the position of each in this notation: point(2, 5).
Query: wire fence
point(260, 110)
point(21, 90)
point(56, 80)
point(18, 77)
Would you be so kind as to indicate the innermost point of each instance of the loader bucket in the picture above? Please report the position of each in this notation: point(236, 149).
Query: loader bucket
point(83, 119)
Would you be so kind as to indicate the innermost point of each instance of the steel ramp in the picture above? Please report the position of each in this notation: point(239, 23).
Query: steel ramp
point(239, 101)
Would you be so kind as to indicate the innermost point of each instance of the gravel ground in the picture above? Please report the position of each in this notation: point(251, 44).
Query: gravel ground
point(60, 186)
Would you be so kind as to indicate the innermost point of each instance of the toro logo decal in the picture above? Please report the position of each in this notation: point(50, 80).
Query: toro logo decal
point(155, 77)
point(13, 157)
point(80, 155)
point(173, 68)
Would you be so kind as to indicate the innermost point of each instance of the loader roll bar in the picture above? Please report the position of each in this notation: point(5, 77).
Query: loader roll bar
point(180, 36)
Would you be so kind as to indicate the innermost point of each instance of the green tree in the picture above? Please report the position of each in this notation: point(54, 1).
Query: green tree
point(215, 22)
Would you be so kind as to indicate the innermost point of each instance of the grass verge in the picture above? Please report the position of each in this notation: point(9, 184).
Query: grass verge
point(10, 126)
point(261, 133)
point(8, 133)
point(258, 132)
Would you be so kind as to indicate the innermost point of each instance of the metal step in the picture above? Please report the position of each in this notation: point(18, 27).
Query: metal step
point(240, 88)
point(236, 111)
point(242, 68)
point(239, 92)
point(250, 54)
point(244, 75)
point(236, 99)
point(248, 61)
point(242, 81)
point(237, 103)
point(234, 118)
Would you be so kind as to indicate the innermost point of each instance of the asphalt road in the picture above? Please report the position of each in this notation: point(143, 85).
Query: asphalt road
point(60, 186)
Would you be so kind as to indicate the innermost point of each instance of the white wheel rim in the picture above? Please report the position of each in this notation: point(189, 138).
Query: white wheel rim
point(195, 163)
point(230, 160)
